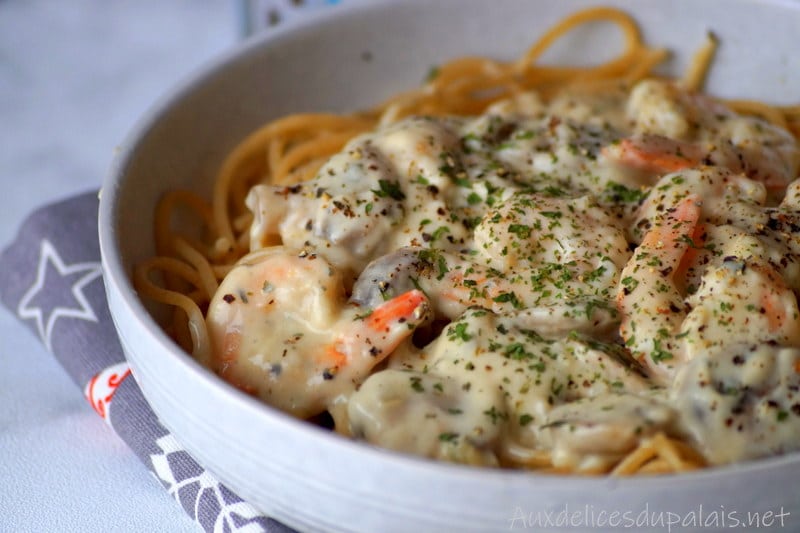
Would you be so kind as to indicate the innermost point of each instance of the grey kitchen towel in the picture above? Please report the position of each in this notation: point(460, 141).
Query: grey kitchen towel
point(50, 278)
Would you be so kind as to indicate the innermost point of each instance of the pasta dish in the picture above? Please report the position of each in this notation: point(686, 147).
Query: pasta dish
point(518, 265)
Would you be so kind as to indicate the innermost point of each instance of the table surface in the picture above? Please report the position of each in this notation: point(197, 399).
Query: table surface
point(74, 77)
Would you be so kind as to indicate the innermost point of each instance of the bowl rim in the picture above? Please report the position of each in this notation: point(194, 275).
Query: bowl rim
point(118, 280)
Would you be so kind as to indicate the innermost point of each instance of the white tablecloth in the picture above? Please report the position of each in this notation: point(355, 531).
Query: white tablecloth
point(74, 77)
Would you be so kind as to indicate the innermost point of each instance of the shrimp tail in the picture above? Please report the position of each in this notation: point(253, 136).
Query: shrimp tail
point(408, 307)
point(374, 336)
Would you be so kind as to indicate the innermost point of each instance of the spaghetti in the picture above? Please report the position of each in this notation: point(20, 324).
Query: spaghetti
point(286, 153)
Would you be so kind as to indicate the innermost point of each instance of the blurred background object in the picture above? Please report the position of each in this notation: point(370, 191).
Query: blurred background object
point(75, 77)
point(258, 15)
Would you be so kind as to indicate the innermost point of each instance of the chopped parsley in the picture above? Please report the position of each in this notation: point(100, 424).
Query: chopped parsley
point(620, 193)
point(389, 189)
point(520, 230)
point(448, 436)
point(459, 332)
point(516, 351)
point(552, 214)
point(630, 283)
point(495, 415)
point(659, 354)
point(508, 297)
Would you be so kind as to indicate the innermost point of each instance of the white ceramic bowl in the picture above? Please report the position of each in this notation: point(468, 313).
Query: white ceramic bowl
point(312, 479)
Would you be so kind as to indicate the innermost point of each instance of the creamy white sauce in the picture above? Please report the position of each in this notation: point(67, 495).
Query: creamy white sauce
point(455, 288)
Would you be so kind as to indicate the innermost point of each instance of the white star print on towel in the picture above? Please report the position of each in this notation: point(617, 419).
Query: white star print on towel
point(63, 285)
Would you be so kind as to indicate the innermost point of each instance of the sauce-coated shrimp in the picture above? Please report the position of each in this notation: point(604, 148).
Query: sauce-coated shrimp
point(657, 155)
point(551, 299)
point(675, 129)
point(281, 329)
point(532, 229)
point(693, 287)
point(737, 301)
point(650, 298)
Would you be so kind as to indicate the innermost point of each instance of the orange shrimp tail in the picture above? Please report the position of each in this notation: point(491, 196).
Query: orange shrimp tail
point(400, 308)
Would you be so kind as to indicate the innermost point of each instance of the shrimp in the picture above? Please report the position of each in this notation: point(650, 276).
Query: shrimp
point(281, 329)
point(656, 155)
point(726, 196)
point(650, 298)
point(527, 230)
point(736, 221)
point(453, 282)
point(306, 215)
point(542, 298)
point(675, 129)
point(358, 205)
point(554, 261)
point(694, 287)
point(664, 108)
point(737, 301)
